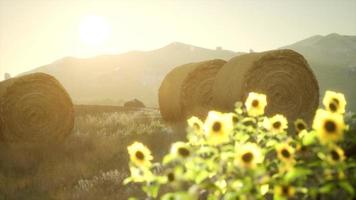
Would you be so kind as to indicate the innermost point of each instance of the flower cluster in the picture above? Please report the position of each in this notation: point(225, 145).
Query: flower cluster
point(247, 155)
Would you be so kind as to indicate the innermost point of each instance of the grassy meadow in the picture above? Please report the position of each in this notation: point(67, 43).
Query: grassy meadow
point(92, 162)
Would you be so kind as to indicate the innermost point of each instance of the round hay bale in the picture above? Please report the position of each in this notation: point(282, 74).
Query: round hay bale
point(196, 90)
point(34, 109)
point(283, 75)
point(187, 90)
point(135, 103)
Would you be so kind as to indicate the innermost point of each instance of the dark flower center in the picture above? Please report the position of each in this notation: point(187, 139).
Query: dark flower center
point(303, 148)
point(235, 119)
point(248, 122)
point(139, 155)
point(216, 126)
point(170, 176)
point(206, 155)
point(332, 107)
point(247, 157)
point(336, 101)
point(301, 126)
point(334, 155)
point(285, 153)
point(285, 190)
point(184, 152)
point(255, 103)
point(330, 126)
point(196, 126)
point(276, 125)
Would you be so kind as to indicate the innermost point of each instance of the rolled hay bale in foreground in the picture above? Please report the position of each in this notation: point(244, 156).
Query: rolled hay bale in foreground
point(283, 75)
point(187, 90)
point(34, 109)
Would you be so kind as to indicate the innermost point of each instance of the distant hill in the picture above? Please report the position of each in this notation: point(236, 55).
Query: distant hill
point(333, 59)
point(113, 79)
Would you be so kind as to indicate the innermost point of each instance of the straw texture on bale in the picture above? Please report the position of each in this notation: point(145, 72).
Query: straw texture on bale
point(187, 90)
point(283, 75)
point(34, 109)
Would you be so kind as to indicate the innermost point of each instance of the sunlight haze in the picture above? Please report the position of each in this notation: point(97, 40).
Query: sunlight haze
point(38, 32)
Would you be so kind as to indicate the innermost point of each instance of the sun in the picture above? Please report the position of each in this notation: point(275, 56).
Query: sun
point(94, 30)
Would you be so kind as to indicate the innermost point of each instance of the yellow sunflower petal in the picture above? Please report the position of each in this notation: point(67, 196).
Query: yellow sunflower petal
point(285, 153)
point(217, 128)
point(329, 126)
point(140, 155)
point(248, 155)
point(180, 149)
point(255, 104)
point(300, 125)
point(276, 124)
point(196, 124)
point(334, 102)
point(285, 191)
point(336, 155)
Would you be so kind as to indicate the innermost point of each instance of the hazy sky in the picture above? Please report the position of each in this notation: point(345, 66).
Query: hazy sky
point(37, 32)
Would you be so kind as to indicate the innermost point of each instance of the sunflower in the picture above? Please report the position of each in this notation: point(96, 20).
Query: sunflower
point(285, 153)
point(233, 117)
point(248, 155)
point(180, 149)
point(171, 177)
point(140, 155)
point(217, 128)
point(285, 191)
point(196, 124)
point(276, 124)
point(255, 104)
point(336, 154)
point(300, 125)
point(334, 102)
point(329, 126)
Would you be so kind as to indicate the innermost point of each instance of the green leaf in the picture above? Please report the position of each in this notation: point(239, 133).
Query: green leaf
point(347, 187)
point(321, 155)
point(327, 188)
point(242, 137)
point(221, 184)
point(309, 139)
point(177, 196)
point(297, 173)
point(231, 196)
point(151, 190)
point(167, 159)
point(202, 175)
point(271, 143)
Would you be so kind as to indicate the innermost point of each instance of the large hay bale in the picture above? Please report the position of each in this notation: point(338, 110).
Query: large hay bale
point(283, 75)
point(34, 109)
point(187, 90)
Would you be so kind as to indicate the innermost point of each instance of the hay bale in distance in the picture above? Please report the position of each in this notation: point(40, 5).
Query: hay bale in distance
point(283, 75)
point(135, 103)
point(34, 109)
point(186, 90)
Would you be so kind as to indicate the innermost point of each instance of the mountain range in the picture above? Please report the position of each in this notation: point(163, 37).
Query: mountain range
point(113, 79)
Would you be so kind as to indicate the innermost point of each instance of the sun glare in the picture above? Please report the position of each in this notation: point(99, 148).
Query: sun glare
point(94, 30)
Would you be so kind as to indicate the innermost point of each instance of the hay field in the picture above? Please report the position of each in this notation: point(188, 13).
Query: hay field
point(92, 162)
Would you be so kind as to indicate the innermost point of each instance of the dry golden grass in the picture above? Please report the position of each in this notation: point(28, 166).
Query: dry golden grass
point(91, 164)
